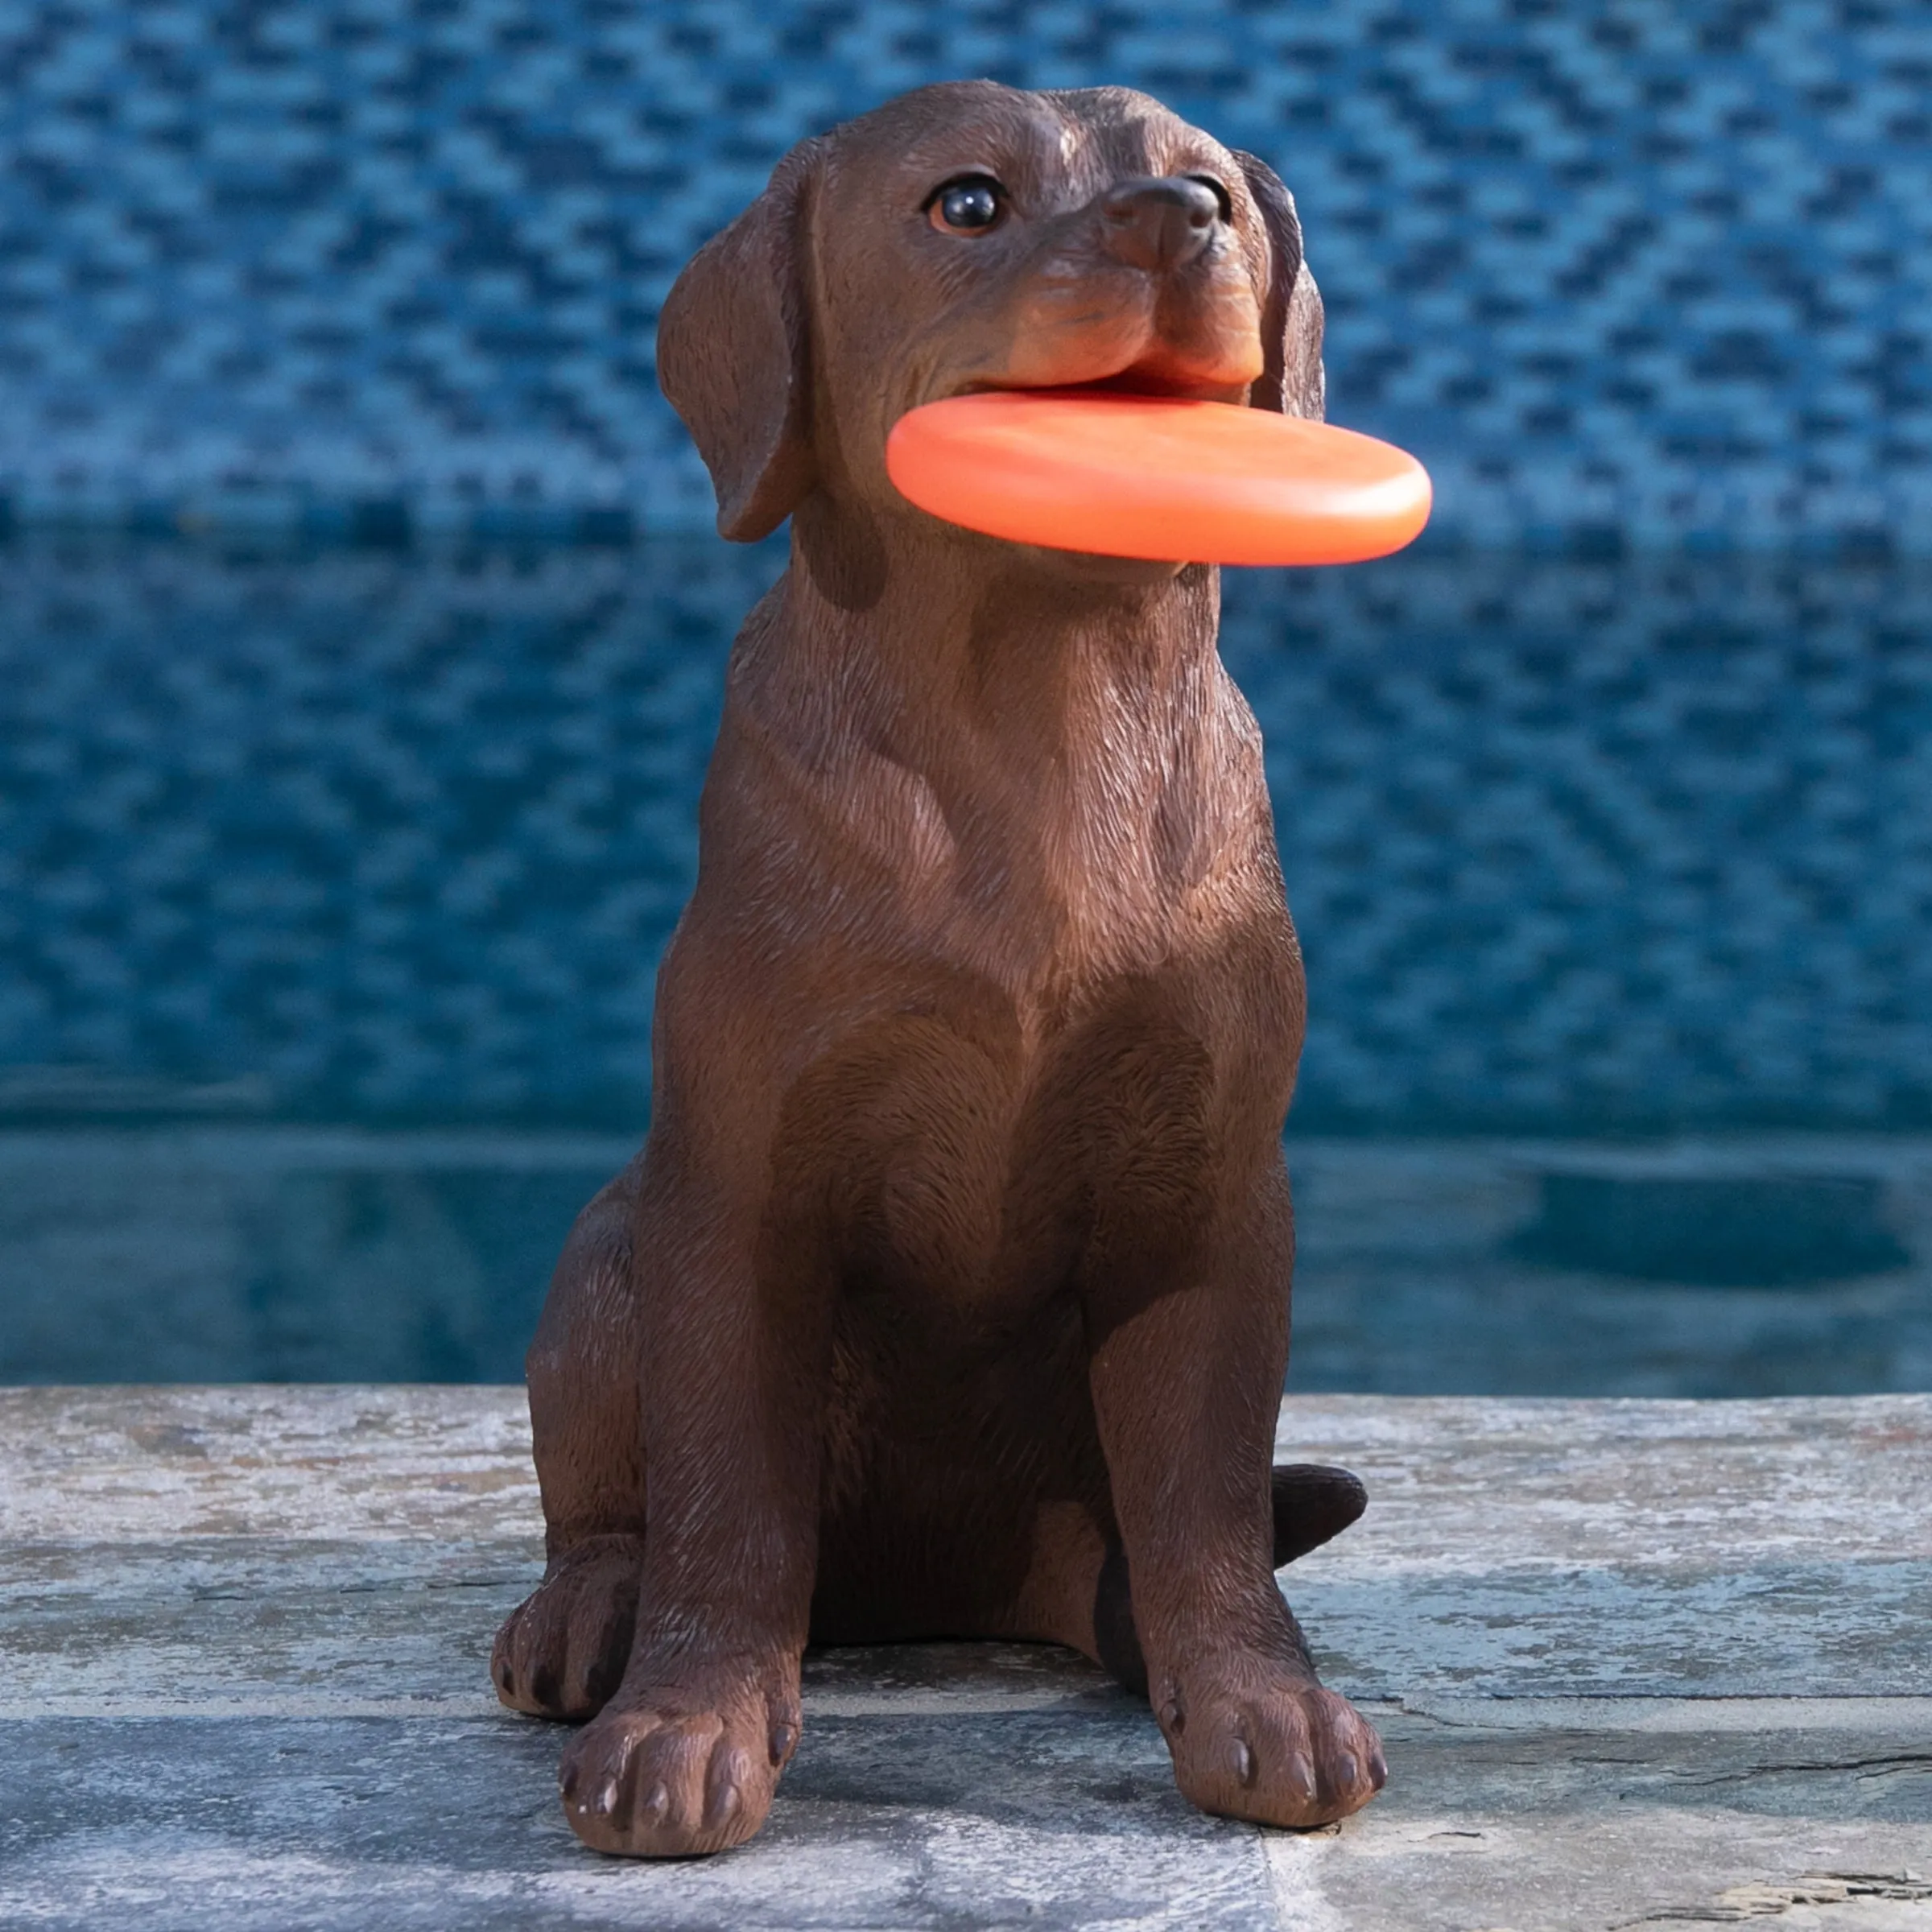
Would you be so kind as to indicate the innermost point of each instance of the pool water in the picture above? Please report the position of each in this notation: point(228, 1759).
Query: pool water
point(332, 885)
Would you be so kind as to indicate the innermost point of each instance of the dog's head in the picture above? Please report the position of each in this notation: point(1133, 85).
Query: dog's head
point(969, 237)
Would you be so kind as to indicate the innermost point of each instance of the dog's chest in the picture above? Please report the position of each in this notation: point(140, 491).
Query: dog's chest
point(979, 1136)
point(1056, 875)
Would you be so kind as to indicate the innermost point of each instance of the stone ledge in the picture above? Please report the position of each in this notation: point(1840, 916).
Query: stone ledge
point(1636, 1662)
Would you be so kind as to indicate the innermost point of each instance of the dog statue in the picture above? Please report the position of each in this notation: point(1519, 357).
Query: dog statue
point(948, 1297)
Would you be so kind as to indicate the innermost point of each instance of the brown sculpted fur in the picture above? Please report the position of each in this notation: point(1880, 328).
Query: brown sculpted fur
point(949, 1295)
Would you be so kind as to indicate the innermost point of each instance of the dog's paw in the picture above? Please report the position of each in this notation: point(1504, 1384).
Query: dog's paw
point(562, 1652)
point(670, 1771)
point(1253, 1738)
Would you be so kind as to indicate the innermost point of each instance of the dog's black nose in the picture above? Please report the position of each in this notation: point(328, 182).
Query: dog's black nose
point(1159, 222)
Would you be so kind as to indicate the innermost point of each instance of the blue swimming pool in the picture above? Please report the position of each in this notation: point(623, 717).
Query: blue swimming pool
point(332, 884)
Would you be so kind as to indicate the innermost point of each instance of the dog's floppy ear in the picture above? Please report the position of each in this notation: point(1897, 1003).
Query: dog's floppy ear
point(734, 354)
point(1291, 379)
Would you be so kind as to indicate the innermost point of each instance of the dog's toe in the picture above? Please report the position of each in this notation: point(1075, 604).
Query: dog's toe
point(1264, 1744)
point(561, 1652)
point(670, 1775)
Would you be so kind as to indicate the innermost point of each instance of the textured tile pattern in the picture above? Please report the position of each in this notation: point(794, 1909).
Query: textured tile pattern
point(1572, 846)
point(1620, 270)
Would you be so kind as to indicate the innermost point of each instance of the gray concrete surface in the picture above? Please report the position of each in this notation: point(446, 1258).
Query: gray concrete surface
point(1641, 1663)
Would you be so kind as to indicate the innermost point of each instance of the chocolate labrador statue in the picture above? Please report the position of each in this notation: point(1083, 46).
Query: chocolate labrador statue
point(948, 1297)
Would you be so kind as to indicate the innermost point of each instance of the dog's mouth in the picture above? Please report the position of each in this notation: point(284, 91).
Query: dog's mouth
point(1123, 382)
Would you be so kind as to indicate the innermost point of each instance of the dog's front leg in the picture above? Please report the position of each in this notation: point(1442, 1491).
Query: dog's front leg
point(1189, 1333)
point(686, 1755)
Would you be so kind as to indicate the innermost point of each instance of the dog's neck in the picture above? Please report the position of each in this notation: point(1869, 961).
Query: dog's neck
point(1057, 773)
point(919, 637)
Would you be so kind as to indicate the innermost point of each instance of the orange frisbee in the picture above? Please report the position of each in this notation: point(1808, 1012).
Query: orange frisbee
point(1157, 477)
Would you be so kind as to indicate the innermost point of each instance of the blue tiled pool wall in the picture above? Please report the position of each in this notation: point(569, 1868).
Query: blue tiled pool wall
point(1574, 846)
point(1621, 272)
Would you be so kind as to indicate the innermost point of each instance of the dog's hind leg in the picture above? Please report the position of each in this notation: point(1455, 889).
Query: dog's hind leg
point(561, 1652)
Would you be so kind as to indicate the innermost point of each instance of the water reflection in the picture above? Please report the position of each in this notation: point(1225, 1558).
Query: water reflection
point(389, 842)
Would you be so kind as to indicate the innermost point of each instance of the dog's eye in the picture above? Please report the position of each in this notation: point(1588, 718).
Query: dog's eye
point(1219, 190)
point(969, 206)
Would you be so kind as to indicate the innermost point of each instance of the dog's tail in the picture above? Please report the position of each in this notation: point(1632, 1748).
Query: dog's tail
point(1312, 1503)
